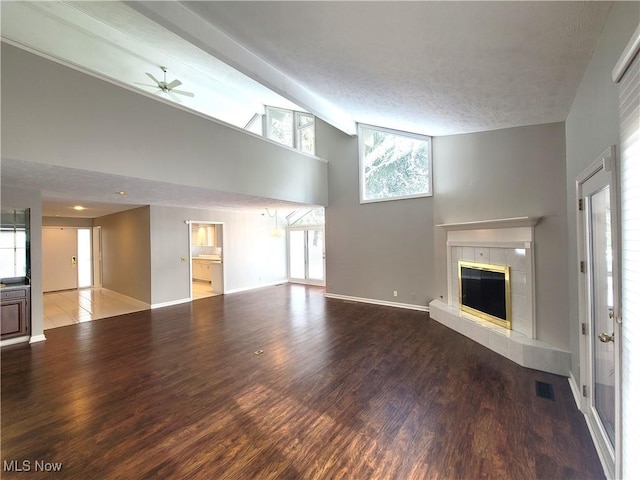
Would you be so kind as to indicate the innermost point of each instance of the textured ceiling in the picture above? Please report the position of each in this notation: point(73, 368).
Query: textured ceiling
point(438, 68)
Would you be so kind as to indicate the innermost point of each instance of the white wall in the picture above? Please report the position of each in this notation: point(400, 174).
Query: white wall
point(25, 198)
point(591, 127)
point(55, 115)
point(252, 257)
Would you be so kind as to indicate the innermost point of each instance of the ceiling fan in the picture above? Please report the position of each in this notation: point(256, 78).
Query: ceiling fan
point(164, 87)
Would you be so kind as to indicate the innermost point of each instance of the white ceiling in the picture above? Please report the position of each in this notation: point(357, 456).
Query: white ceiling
point(437, 68)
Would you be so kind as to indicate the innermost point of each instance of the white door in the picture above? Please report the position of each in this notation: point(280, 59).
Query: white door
point(306, 255)
point(600, 270)
point(59, 259)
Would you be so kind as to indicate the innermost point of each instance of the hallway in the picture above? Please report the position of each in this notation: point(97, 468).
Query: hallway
point(68, 307)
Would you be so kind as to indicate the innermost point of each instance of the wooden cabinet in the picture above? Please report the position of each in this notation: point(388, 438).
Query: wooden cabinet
point(203, 235)
point(201, 270)
point(15, 317)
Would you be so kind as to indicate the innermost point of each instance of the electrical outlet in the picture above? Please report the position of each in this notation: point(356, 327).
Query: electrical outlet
point(395, 293)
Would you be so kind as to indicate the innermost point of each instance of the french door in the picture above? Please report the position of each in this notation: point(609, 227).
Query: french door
point(600, 304)
point(306, 255)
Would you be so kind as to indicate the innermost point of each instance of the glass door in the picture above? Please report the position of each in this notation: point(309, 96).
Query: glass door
point(600, 305)
point(306, 255)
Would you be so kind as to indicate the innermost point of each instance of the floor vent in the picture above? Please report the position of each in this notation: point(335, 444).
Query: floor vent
point(544, 390)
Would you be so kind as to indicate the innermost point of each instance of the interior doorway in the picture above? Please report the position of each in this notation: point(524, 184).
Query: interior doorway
point(206, 272)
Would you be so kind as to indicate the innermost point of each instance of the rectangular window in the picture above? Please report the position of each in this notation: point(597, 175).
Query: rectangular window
point(291, 128)
point(393, 164)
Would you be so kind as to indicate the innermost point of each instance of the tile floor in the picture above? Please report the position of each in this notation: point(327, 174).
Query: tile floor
point(83, 305)
point(201, 289)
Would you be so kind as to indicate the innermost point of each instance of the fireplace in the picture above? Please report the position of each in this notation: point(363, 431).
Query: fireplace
point(485, 291)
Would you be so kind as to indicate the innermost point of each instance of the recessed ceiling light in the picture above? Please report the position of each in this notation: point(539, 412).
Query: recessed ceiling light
point(121, 192)
point(78, 207)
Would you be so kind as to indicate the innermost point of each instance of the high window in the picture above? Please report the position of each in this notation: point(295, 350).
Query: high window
point(393, 164)
point(291, 128)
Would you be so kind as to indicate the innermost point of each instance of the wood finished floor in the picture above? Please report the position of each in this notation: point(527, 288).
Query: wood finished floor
point(342, 391)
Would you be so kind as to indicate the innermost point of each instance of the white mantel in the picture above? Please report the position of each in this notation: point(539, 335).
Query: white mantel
point(508, 241)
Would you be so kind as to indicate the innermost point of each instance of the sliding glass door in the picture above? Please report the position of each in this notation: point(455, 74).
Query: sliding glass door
point(306, 255)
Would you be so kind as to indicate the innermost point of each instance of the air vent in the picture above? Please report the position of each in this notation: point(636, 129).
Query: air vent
point(544, 390)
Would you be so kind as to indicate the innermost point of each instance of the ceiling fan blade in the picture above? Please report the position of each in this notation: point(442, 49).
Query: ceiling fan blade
point(174, 84)
point(182, 92)
point(174, 97)
point(153, 78)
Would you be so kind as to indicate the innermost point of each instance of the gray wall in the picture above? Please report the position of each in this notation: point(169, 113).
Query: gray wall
point(513, 172)
point(87, 123)
point(25, 198)
point(374, 248)
point(67, 222)
point(126, 253)
point(252, 257)
point(591, 127)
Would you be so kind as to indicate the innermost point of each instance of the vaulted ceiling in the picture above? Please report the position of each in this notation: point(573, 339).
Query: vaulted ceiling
point(437, 68)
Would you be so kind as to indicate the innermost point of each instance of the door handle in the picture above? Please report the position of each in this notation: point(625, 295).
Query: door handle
point(604, 338)
point(74, 261)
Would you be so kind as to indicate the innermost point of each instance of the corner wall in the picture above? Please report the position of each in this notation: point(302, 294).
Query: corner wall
point(514, 172)
point(374, 248)
point(591, 127)
point(26, 198)
point(126, 253)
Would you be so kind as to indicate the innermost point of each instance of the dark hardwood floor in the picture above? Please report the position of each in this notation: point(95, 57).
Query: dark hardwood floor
point(341, 391)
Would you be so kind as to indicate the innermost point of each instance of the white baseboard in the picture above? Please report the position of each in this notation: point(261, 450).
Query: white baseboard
point(575, 389)
point(37, 338)
point(168, 304)
point(14, 341)
point(408, 306)
point(255, 287)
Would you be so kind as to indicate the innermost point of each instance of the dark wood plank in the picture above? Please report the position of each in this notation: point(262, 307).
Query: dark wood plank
point(342, 390)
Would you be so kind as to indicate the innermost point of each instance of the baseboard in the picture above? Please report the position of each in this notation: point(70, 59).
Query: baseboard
point(37, 338)
point(255, 287)
point(575, 389)
point(168, 304)
point(14, 341)
point(408, 306)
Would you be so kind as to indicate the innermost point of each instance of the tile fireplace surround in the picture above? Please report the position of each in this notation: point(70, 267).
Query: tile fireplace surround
point(500, 242)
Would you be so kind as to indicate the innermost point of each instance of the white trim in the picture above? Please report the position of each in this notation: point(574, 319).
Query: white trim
point(37, 338)
point(601, 454)
point(255, 287)
point(512, 222)
point(628, 54)
point(373, 301)
point(15, 341)
point(398, 133)
point(168, 304)
point(575, 389)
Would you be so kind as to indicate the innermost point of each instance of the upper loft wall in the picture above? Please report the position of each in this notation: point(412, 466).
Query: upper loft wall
point(56, 115)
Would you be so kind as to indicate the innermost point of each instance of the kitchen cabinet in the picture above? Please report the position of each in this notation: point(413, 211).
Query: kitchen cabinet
point(203, 235)
point(201, 269)
point(15, 311)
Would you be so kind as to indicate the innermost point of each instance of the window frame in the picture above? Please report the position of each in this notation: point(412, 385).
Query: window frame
point(401, 133)
point(294, 129)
